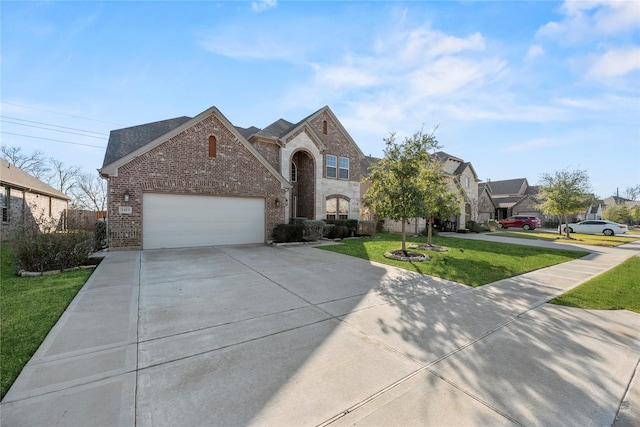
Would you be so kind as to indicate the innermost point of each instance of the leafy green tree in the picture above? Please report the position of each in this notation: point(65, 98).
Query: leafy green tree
point(399, 181)
point(565, 192)
point(617, 213)
point(635, 214)
point(439, 199)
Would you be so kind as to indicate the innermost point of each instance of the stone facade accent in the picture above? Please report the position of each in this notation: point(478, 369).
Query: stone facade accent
point(334, 142)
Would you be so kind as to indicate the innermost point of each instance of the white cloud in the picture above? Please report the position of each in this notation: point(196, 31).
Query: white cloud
point(262, 5)
point(585, 20)
point(534, 52)
point(532, 144)
point(615, 63)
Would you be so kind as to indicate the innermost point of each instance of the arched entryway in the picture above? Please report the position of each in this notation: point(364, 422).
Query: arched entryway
point(302, 202)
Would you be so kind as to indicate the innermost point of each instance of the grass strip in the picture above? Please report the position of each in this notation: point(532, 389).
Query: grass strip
point(581, 239)
point(472, 262)
point(29, 307)
point(616, 289)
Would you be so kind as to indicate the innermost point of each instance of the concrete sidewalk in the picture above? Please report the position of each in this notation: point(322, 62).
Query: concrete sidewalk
point(254, 335)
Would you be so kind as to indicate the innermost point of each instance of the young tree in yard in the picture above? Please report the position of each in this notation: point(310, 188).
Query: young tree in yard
point(438, 199)
point(617, 213)
point(399, 181)
point(564, 192)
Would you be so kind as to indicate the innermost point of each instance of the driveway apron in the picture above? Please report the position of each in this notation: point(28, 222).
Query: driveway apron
point(258, 335)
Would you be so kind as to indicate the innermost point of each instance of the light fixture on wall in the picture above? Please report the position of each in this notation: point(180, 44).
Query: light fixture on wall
point(277, 203)
point(126, 196)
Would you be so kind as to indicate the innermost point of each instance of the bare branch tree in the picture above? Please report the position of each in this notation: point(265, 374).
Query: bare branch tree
point(34, 164)
point(63, 178)
point(90, 192)
point(632, 193)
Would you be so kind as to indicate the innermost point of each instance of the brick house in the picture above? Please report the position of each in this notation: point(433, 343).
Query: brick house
point(202, 181)
point(515, 197)
point(25, 198)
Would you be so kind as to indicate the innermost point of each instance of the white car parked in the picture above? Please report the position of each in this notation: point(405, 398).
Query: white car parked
point(607, 228)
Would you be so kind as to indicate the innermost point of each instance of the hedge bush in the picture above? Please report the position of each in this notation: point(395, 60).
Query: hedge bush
point(99, 235)
point(285, 233)
point(313, 230)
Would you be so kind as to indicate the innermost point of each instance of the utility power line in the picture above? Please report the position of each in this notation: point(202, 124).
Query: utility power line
point(55, 140)
point(53, 130)
point(57, 112)
point(49, 124)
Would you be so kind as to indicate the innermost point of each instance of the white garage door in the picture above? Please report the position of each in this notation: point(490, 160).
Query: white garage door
point(176, 221)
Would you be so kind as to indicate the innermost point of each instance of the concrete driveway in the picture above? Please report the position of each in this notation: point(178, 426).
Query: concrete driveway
point(255, 335)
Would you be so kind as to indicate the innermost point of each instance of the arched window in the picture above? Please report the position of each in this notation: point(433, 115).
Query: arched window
point(324, 127)
point(294, 172)
point(212, 146)
point(337, 207)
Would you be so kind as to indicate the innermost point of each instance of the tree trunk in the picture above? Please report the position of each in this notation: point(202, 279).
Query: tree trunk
point(430, 231)
point(566, 225)
point(404, 236)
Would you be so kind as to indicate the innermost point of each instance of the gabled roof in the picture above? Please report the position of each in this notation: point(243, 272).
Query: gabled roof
point(15, 177)
point(441, 156)
point(247, 132)
point(111, 169)
point(484, 185)
point(508, 187)
point(127, 140)
point(327, 110)
point(276, 130)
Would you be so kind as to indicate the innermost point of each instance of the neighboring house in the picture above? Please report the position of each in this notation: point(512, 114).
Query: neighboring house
point(25, 198)
point(515, 197)
point(595, 210)
point(486, 206)
point(463, 180)
point(202, 181)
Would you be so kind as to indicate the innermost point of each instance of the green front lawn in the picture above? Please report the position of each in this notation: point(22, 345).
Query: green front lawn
point(473, 262)
point(29, 307)
point(582, 239)
point(617, 289)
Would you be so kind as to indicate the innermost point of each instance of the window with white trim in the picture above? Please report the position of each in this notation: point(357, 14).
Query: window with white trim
point(344, 168)
point(332, 166)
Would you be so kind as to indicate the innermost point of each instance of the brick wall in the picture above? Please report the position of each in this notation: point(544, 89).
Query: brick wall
point(26, 206)
point(181, 165)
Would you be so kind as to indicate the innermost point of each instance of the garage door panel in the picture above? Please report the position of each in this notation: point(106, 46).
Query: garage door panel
point(172, 221)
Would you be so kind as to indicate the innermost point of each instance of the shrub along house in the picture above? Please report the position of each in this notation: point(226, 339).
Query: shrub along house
point(202, 181)
point(26, 198)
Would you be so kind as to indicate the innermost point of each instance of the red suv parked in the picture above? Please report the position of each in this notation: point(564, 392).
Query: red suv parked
point(524, 221)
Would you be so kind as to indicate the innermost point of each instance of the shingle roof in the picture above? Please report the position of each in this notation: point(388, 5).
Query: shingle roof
point(127, 140)
point(443, 157)
point(247, 132)
point(509, 186)
point(276, 129)
point(16, 177)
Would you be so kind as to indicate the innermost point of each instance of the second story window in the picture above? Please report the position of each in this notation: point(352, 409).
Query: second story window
point(332, 166)
point(344, 168)
point(466, 182)
point(324, 127)
point(212, 146)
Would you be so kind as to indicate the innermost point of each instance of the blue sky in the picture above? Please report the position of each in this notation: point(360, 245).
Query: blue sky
point(516, 88)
